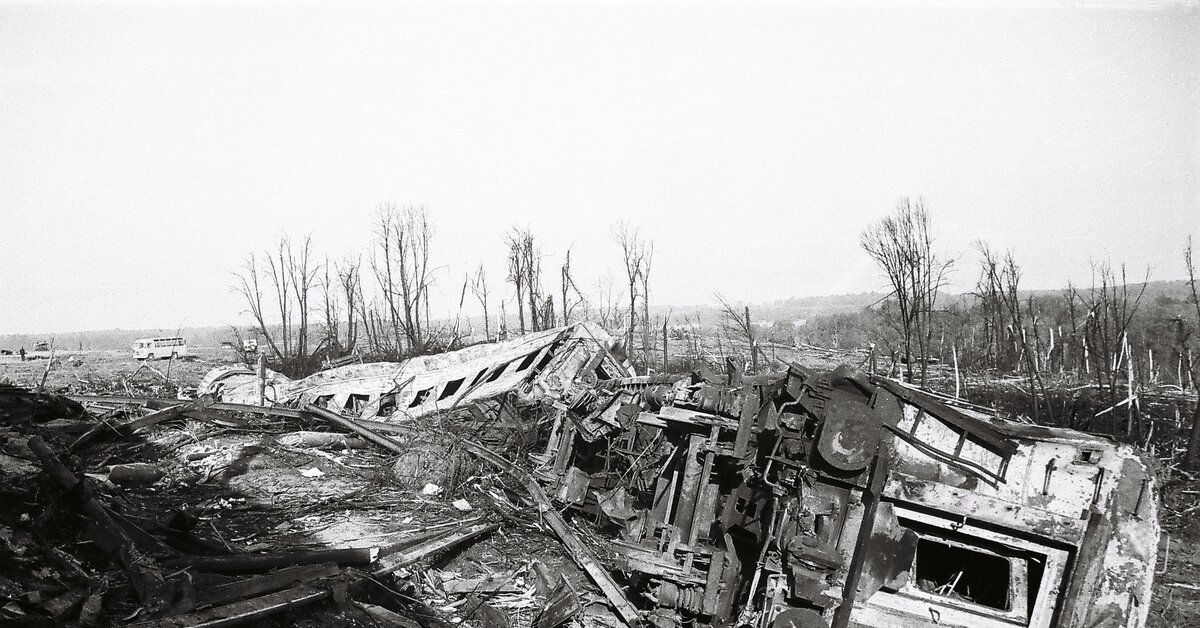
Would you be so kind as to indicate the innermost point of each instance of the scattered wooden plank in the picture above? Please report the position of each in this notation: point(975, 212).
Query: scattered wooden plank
point(387, 617)
point(266, 583)
point(130, 427)
point(495, 583)
point(290, 413)
point(114, 400)
point(416, 553)
point(256, 608)
point(70, 426)
point(561, 606)
point(542, 580)
point(422, 535)
point(238, 563)
point(244, 611)
point(142, 539)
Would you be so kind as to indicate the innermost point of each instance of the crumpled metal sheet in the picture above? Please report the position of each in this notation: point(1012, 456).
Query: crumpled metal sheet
point(534, 365)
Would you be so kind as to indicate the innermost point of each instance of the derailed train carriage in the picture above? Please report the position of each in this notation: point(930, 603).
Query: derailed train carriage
point(818, 499)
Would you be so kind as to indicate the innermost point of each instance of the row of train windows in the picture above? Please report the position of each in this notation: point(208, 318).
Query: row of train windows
point(451, 387)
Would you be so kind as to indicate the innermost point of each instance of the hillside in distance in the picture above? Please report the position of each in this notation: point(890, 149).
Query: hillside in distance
point(792, 309)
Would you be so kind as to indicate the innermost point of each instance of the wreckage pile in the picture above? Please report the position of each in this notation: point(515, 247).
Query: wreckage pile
point(183, 516)
point(423, 492)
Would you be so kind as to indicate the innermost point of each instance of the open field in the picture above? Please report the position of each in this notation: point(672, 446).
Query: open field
point(114, 372)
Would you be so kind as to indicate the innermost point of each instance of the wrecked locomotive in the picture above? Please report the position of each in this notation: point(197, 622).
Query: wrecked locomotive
point(815, 499)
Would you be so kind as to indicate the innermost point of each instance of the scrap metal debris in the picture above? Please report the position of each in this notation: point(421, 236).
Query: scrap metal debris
point(803, 498)
point(836, 499)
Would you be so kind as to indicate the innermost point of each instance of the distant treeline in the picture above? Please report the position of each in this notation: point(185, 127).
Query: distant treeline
point(114, 339)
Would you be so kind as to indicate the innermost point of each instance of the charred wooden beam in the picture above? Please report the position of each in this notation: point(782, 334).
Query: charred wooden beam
point(244, 611)
point(266, 583)
point(142, 569)
point(367, 433)
point(239, 563)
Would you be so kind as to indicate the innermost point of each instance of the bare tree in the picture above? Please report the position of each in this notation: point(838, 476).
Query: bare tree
point(247, 283)
point(902, 245)
point(647, 331)
point(548, 316)
point(1110, 309)
point(479, 287)
point(525, 273)
point(332, 309)
point(455, 334)
point(291, 274)
point(1002, 280)
point(991, 309)
point(402, 271)
point(735, 322)
point(1192, 460)
point(516, 274)
point(277, 264)
point(568, 285)
point(386, 269)
point(633, 252)
point(502, 324)
point(608, 310)
point(302, 274)
point(350, 280)
point(533, 283)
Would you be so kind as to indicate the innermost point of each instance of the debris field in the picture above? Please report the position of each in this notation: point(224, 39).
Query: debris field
point(539, 482)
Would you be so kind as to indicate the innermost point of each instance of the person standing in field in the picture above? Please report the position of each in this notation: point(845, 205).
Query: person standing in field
point(22, 354)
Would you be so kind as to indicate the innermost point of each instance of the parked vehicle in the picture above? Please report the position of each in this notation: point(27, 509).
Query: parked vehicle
point(157, 348)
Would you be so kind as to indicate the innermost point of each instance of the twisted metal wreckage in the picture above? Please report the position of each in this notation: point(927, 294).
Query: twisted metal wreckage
point(797, 499)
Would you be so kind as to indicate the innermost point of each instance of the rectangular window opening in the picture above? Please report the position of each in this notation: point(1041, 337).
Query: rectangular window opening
point(498, 372)
point(355, 403)
point(452, 387)
point(421, 397)
point(963, 574)
point(541, 365)
point(526, 362)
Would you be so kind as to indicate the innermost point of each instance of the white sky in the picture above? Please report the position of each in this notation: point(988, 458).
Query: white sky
point(146, 149)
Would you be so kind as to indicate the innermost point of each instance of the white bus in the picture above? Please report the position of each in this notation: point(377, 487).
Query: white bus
point(156, 348)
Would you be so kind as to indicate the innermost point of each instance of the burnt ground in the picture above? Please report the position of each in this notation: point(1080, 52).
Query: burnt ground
point(1177, 580)
point(242, 488)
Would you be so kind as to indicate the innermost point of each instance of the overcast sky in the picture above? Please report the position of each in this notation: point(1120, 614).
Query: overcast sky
point(145, 149)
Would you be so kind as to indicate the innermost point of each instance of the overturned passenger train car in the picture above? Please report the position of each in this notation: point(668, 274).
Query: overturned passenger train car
point(814, 499)
point(534, 367)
